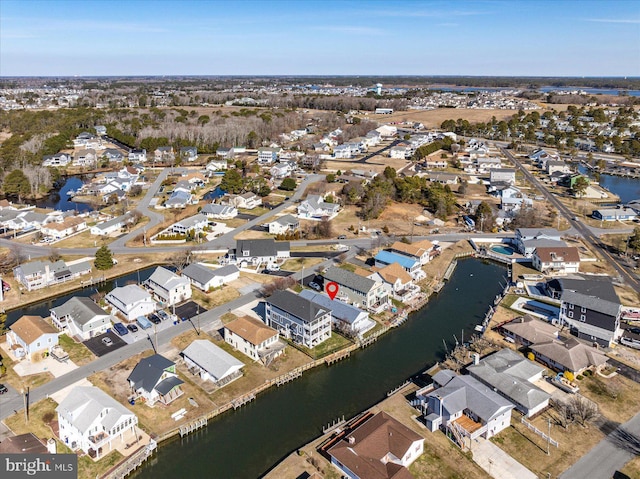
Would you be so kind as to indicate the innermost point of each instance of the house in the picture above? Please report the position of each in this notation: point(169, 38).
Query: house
point(283, 225)
point(111, 226)
point(68, 226)
point(512, 376)
point(527, 330)
point(444, 178)
point(541, 156)
point(111, 154)
point(83, 139)
point(502, 175)
point(31, 335)
point(164, 154)
point(397, 282)
point(248, 201)
point(219, 212)
point(43, 273)
point(379, 448)
point(57, 160)
point(433, 162)
point(569, 355)
point(132, 301)
point(267, 156)
point(260, 251)
point(528, 239)
point(179, 199)
point(137, 155)
point(114, 195)
point(81, 317)
point(167, 287)
point(557, 260)
point(620, 213)
point(592, 309)
point(345, 317)
point(399, 152)
point(485, 163)
point(464, 406)
point(253, 338)
point(217, 164)
point(195, 224)
point(387, 131)
point(280, 171)
point(189, 153)
point(344, 151)
point(421, 251)
point(85, 158)
point(155, 380)
point(557, 166)
point(410, 265)
point(92, 421)
point(314, 207)
point(205, 278)
point(298, 318)
point(362, 292)
point(101, 130)
point(211, 363)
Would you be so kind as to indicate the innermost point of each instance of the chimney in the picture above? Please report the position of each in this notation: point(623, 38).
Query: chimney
point(476, 359)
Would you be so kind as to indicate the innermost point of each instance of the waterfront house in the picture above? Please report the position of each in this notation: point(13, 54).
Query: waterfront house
point(362, 292)
point(83, 139)
point(31, 335)
point(211, 363)
point(346, 318)
point(422, 251)
point(379, 448)
point(556, 260)
point(398, 283)
point(528, 239)
point(253, 338)
point(68, 226)
point(85, 158)
point(189, 153)
point(283, 225)
point(219, 212)
point(298, 318)
point(217, 164)
point(258, 251)
point(620, 213)
point(137, 155)
point(167, 287)
point(57, 160)
point(205, 278)
point(512, 376)
point(92, 421)
point(81, 317)
point(40, 274)
point(314, 207)
point(247, 201)
point(113, 155)
point(410, 265)
point(554, 166)
point(155, 380)
point(568, 355)
point(131, 301)
point(464, 406)
point(527, 330)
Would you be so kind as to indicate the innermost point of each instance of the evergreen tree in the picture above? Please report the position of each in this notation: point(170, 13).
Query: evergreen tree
point(103, 260)
point(16, 183)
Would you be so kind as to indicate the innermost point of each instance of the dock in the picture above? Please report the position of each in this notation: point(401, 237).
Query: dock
point(194, 426)
point(241, 401)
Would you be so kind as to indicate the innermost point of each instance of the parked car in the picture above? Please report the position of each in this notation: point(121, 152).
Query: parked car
point(143, 322)
point(315, 286)
point(154, 318)
point(107, 341)
point(342, 237)
point(132, 327)
point(3, 389)
point(120, 329)
point(163, 315)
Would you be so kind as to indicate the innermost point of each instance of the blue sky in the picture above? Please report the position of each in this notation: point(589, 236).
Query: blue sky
point(306, 37)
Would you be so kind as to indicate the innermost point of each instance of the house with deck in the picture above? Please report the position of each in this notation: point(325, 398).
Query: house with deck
point(211, 363)
point(131, 301)
point(154, 379)
point(254, 339)
point(283, 225)
point(314, 207)
point(31, 335)
point(81, 317)
point(527, 330)
point(346, 318)
point(556, 260)
point(67, 227)
point(410, 265)
point(398, 283)
point(362, 292)
point(43, 273)
point(247, 201)
point(219, 212)
point(422, 251)
point(528, 239)
point(167, 287)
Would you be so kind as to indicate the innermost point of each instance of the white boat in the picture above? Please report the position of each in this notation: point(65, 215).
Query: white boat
point(563, 383)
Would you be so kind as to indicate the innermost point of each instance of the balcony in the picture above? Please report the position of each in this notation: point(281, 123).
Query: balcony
point(99, 439)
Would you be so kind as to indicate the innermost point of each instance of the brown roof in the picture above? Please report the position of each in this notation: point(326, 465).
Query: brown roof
point(69, 222)
point(531, 329)
point(30, 328)
point(22, 444)
point(568, 254)
point(251, 330)
point(394, 271)
point(415, 249)
point(364, 449)
point(571, 354)
point(363, 272)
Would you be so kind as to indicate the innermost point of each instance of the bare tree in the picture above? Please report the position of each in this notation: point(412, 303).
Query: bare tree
point(583, 410)
point(181, 259)
point(54, 255)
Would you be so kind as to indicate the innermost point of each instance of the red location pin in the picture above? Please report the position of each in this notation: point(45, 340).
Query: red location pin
point(332, 289)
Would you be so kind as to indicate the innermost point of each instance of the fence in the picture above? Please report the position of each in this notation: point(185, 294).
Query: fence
point(544, 436)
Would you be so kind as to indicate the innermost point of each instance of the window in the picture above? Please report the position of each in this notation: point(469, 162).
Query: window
point(570, 314)
point(571, 306)
point(583, 310)
point(583, 318)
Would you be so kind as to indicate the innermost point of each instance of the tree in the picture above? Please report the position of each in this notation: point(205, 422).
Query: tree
point(484, 216)
point(135, 190)
point(288, 184)
point(580, 186)
point(232, 182)
point(331, 178)
point(634, 239)
point(181, 259)
point(104, 260)
point(17, 184)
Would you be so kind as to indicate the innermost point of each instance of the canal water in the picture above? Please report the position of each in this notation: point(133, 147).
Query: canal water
point(248, 442)
point(627, 189)
point(60, 200)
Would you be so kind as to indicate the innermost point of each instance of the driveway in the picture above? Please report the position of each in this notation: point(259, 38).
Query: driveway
point(626, 371)
point(189, 309)
point(498, 463)
point(97, 347)
point(48, 364)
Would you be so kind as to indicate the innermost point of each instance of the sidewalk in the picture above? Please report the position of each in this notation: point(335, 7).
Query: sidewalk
point(498, 463)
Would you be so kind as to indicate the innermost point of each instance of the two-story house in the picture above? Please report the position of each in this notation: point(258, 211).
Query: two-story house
point(259, 251)
point(247, 201)
point(502, 175)
point(40, 274)
point(298, 318)
point(168, 287)
point(164, 154)
point(219, 212)
point(556, 260)
point(363, 292)
point(283, 225)
point(81, 317)
point(189, 153)
point(346, 318)
point(131, 300)
point(31, 335)
point(253, 338)
point(528, 239)
point(155, 379)
point(314, 207)
point(410, 265)
point(267, 156)
point(421, 251)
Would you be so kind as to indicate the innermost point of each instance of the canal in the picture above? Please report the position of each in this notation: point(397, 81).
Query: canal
point(627, 189)
point(60, 199)
point(248, 442)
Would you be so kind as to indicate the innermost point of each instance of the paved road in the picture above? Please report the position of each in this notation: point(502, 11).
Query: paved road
point(610, 454)
point(626, 371)
point(368, 156)
point(582, 229)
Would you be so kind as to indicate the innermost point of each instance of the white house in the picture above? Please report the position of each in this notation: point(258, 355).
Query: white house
point(211, 363)
point(195, 223)
point(314, 207)
point(68, 226)
point(59, 159)
point(31, 335)
point(155, 379)
point(528, 239)
point(559, 260)
point(267, 156)
point(81, 317)
point(205, 278)
point(132, 301)
point(85, 158)
point(40, 274)
point(248, 201)
point(189, 153)
point(502, 175)
point(136, 155)
point(284, 224)
point(345, 317)
point(219, 212)
point(397, 281)
point(168, 287)
point(92, 421)
point(111, 226)
point(253, 338)
point(217, 164)
point(399, 152)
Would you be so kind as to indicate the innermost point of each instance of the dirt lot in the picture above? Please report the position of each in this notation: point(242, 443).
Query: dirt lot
point(20, 382)
point(377, 163)
point(434, 118)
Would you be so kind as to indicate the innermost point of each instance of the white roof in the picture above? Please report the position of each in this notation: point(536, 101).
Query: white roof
point(214, 360)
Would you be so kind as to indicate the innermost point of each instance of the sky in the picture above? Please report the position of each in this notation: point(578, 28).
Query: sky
point(308, 37)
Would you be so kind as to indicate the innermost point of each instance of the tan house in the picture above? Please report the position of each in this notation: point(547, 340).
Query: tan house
point(31, 335)
point(398, 283)
point(67, 227)
point(570, 355)
point(253, 338)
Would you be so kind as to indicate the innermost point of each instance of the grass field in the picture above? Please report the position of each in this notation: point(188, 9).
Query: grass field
point(78, 352)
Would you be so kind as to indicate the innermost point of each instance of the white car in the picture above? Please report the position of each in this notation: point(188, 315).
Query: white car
point(315, 286)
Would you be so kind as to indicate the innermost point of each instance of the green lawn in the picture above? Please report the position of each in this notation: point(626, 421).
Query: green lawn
point(78, 352)
point(335, 343)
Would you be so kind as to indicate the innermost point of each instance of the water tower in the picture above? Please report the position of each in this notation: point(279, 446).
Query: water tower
point(378, 88)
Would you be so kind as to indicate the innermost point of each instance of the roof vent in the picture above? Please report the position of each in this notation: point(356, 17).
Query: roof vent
point(351, 439)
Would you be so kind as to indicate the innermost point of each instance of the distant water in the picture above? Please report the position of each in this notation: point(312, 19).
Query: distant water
point(590, 91)
point(626, 188)
point(214, 194)
point(59, 200)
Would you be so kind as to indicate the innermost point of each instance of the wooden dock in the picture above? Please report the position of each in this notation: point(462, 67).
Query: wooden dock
point(193, 426)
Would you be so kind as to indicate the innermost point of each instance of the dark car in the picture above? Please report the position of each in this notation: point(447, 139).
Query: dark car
point(342, 237)
point(3, 389)
point(120, 329)
point(132, 327)
point(154, 318)
point(634, 330)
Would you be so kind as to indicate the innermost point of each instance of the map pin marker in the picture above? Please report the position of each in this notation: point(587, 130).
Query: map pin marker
point(332, 289)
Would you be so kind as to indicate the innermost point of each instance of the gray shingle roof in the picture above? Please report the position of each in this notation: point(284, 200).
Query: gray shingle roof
point(593, 303)
point(342, 311)
point(82, 310)
point(296, 305)
point(226, 270)
point(595, 286)
point(350, 280)
point(572, 354)
point(129, 294)
point(148, 371)
point(260, 247)
point(212, 359)
point(168, 384)
point(165, 278)
point(197, 272)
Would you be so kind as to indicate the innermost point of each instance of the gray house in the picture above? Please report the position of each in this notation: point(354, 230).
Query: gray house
point(298, 318)
point(155, 379)
point(258, 251)
point(81, 317)
point(362, 292)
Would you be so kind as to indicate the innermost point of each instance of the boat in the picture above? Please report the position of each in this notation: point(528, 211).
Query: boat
point(71, 193)
point(563, 383)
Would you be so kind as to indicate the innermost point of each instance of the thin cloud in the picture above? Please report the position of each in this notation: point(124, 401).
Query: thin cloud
point(614, 20)
point(352, 30)
point(16, 35)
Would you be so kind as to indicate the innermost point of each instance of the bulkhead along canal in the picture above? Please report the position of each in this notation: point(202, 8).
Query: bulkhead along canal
point(248, 442)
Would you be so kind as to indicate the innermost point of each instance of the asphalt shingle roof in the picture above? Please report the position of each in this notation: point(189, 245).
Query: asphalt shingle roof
point(296, 305)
